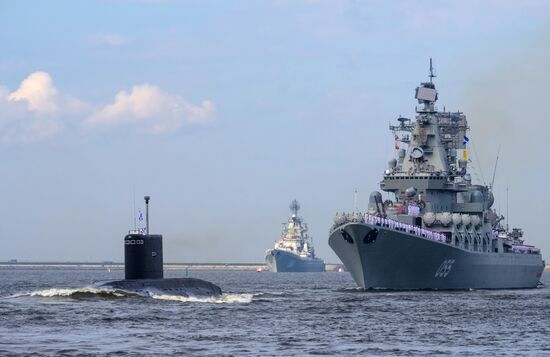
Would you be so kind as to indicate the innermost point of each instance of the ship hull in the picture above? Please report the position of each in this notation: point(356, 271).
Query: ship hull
point(398, 260)
point(172, 286)
point(282, 261)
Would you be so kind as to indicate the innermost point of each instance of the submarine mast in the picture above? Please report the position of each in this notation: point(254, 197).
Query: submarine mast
point(147, 198)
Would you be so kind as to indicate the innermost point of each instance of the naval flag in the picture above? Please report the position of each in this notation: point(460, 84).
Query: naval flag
point(140, 215)
point(466, 139)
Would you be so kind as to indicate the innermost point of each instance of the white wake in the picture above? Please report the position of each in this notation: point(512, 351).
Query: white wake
point(224, 299)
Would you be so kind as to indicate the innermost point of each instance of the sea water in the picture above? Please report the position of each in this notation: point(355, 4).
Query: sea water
point(59, 312)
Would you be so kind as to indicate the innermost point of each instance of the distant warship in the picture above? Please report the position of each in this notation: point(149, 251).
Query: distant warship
point(144, 272)
point(437, 229)
point(294, 251)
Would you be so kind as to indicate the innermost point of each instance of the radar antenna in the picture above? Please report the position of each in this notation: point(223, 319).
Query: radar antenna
point(432, 75)
point(294, 207)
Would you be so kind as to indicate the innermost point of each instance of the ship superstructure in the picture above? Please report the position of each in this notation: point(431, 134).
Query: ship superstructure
point(436, 229)
point(293, 251)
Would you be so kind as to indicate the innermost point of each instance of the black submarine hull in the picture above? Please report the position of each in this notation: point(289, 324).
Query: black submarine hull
point(144, 269)
point(171, 286)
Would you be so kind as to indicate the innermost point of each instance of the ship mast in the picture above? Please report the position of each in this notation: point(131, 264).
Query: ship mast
point(294, 207)
point(432, 75)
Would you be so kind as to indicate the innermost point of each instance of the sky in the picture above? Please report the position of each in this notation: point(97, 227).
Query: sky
point(225, 111)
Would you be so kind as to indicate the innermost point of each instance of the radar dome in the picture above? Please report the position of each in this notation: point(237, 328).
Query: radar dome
point(392, 163)
point(466, 219)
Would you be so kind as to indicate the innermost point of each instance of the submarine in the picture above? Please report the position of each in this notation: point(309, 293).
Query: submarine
point(144, 271)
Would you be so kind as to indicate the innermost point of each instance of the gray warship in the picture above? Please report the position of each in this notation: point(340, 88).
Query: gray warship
point(436, 229)
point(144, 268)
point(293, 251)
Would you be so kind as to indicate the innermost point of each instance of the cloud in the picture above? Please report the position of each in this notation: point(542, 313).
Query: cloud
point(36, 110)
point(29, 113)
point(151, 110)
point(109, 39)
point(38, 91)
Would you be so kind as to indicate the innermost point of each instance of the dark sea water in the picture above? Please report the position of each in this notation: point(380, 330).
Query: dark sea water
point(55, 312)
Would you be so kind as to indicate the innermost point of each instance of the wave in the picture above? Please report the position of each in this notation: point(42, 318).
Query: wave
point(274, 295)
point(78, 292)
point(94, 292)
point(224, 299)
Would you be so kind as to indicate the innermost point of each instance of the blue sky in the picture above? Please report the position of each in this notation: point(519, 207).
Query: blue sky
point(225, 111)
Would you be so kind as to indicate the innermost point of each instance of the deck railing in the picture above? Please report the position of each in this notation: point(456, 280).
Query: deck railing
point(391, 224)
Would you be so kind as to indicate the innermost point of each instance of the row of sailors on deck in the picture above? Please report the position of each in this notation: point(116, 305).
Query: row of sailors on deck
point(384, 222)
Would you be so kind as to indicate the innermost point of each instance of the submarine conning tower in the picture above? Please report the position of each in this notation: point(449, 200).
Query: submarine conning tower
point(143, 252)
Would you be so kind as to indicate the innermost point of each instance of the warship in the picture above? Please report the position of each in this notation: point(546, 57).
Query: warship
point(436, 229)
point(144, 269)
point(293, 251)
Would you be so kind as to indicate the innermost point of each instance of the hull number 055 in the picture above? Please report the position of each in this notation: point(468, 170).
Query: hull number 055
point(445, 268)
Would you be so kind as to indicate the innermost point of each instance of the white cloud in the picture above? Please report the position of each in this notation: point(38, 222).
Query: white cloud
point(30, 113)
point(109, 39)
point(151, 110)
point(38, 91)
point(36, 110)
